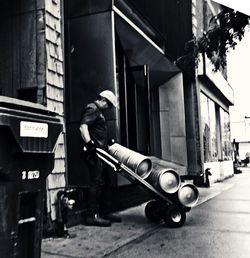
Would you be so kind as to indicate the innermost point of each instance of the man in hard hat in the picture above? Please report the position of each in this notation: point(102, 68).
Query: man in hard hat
point(93, 131)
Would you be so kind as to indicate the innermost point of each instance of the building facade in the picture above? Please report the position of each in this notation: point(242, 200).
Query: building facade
point(207, 93)
point(32, 69)
point(216, 96)
point(61, 54)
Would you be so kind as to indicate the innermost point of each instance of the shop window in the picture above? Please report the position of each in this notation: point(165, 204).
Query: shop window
point(225, 135)
point(209, 133)
point(214, 140)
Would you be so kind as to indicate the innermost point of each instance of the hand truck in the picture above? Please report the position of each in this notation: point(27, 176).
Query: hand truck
point(164, 206)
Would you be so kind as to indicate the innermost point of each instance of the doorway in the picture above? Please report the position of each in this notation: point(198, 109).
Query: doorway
point(135, 104)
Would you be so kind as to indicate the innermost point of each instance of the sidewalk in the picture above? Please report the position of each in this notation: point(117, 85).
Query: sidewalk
point(97, 242)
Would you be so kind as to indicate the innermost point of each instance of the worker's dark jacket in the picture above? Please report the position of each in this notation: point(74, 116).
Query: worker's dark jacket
point(94, 118)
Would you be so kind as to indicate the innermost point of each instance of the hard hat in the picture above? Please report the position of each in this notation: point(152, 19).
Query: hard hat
point(110, 96)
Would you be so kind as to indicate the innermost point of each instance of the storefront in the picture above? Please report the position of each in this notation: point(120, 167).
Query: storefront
point(216, 96)
point(113, 47)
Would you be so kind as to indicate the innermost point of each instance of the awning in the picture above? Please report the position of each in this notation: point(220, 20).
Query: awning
point(242, 6)
point(141, 50)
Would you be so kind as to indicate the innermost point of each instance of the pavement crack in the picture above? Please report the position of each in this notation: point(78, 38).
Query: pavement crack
point(135, 240)
point(56, 254)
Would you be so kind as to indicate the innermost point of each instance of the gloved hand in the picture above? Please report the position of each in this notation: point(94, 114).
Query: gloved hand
point(90, 152)
point(111, 142)
point(91, 147)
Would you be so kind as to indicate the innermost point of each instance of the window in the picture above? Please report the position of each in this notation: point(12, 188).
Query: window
point(225, 135)
point(208, 120)
point(214, 140)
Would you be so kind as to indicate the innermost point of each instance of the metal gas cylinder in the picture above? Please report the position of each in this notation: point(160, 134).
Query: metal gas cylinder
point(167, 179)
point(139, 163)
point(188, 195)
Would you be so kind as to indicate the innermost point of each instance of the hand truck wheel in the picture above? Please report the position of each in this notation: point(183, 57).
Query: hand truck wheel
point(154, 211)
point(174, 216)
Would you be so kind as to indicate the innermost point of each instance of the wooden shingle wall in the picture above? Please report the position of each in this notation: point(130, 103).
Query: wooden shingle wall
point(55, 95)
point(194, 17)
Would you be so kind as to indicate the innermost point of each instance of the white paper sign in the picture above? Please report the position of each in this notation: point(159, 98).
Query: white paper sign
point(33, 129)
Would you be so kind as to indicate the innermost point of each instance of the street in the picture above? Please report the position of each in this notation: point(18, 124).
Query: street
point(218, 227)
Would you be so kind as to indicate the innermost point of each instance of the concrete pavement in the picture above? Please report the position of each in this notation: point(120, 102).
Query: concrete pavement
point(97, 242)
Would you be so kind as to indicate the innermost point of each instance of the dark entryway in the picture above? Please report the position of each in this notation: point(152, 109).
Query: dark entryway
point(134, 95)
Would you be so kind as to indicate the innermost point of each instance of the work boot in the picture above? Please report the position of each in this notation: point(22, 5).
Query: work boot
point(112, 217)
point(97, 221)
